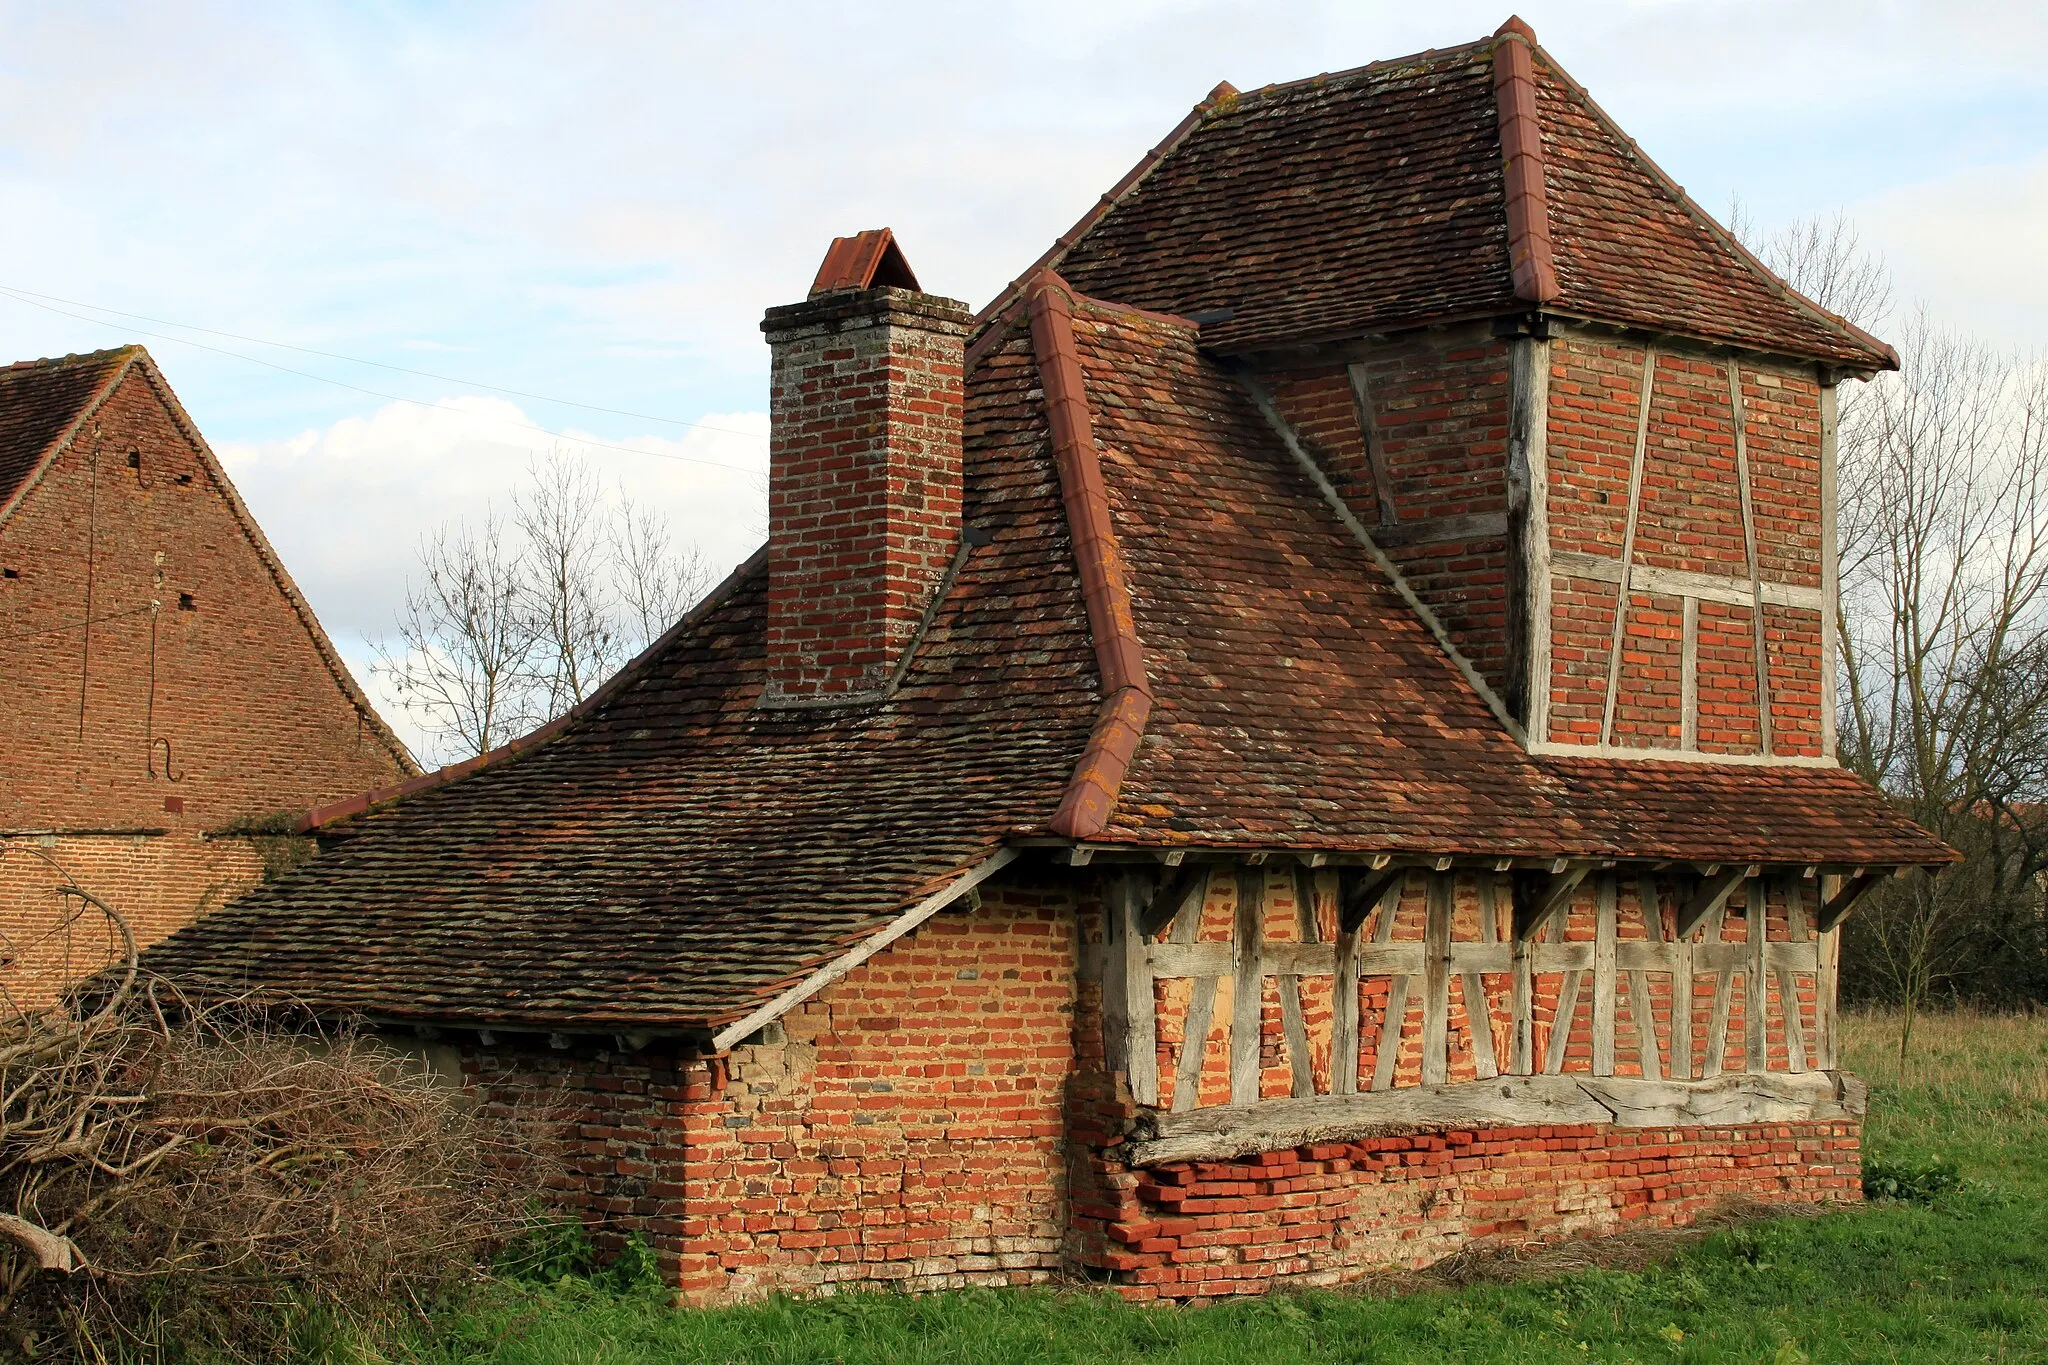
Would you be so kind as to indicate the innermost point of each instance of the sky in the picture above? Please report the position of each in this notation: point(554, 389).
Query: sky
point(570, 217)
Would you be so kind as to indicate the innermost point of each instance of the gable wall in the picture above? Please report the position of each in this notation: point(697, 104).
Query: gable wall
point(1437, 409)
point(257, 723)
point(1689, 519)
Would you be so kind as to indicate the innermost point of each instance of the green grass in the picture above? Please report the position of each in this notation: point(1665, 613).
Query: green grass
point(1962, 1276)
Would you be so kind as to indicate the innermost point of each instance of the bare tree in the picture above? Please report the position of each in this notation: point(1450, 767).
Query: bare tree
point(567, 592)
point(657, 580)
point(465, 639)
point(1942, 685)
point(513, 623)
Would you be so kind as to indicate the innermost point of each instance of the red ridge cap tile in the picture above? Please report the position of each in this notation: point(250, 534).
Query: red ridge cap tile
point(1126, 693)
point(864, 261)
point(1521, 149)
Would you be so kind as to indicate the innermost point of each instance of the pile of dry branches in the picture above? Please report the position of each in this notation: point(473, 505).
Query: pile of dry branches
point(172, 1169)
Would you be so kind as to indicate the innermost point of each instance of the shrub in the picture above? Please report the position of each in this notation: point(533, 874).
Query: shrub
point(171, 1172)
point(1913, 1182)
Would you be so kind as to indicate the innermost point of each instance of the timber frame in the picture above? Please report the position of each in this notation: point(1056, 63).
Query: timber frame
point(1765, 1067)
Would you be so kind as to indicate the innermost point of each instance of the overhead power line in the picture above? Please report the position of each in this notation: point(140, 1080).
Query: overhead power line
point(48, 302)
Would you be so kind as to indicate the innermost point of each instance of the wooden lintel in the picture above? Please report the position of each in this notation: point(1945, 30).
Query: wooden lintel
point(1359, 892)
point(1538, 898)
point(1170, 899)
point(1843, 901)
point(1713, 893)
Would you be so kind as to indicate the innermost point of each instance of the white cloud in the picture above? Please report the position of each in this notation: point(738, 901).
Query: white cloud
point(1971, 244)
point(348, 504)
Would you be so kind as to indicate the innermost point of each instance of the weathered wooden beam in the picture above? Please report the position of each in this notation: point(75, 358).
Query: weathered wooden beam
point(1369, 437)
point(1640, 1007)
point(1359, 891)
point(1740, 416)
point(1436, 981)
point(1344, 1015)
point(1756, 983)
point(1301, 1066)
point(1853, 889)
point(1628, 549)
point(1174, 897)
point(1538, 897)
point(1713, 893)
point(1788, 982)
point(1129, 1030)
point(1606, 898)
point(1194, 1048)
point(1561, 1021)
point(1387, 1052)
point(1223, 1132)
point(1247, 984)
point(1478, 1013)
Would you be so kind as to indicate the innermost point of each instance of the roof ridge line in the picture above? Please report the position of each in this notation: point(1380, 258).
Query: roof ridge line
point(287, 586)
point(443, 776)
point(1521, 147)
point(63, 439)
point(1014, 292)
point(1428, 54)
point(1098, 777)
point(1465, 668)
point(1703, 219)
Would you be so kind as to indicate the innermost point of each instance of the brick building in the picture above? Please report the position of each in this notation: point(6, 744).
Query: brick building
point(166, 687)
point(1295, 739)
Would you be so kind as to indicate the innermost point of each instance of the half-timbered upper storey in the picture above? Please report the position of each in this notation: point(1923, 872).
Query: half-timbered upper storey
point(1395, 472)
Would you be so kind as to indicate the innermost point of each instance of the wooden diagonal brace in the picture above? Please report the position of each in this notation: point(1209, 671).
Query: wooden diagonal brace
point(1713, 893)
point(1838, 905)
point(1169, 900)
point(1539, 897)
point(1358, 892)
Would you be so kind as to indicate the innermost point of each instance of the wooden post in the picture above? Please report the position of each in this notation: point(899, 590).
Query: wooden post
point(1247, 984)
point(1682, 1066)
point(1755, 921)
point(1830, 587)
point(1369, 436)
point(1640, 1006)
point(1825, 1020)
point(1194, 1048)
point(1130, 1031)
point(1436, 979)
point(1387, 1051)
point(1788, 980)
point(1299, 1063)
point(1522, 1003)
point(1605, 896)
point(1478, 1013)
point(1717, 1022)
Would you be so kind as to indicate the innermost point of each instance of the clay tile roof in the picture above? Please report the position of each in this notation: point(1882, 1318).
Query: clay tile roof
point(1469, 182)
point(866, 260)
point(40, 400)
point(672, 857)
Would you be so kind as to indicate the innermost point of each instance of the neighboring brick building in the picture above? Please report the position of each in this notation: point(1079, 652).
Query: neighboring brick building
point(166, 687)
point(1208, 826)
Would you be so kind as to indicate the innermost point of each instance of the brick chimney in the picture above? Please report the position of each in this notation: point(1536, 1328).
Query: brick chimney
point(863, 471)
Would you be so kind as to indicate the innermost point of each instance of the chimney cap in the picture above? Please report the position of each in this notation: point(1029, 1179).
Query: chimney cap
point(866, 260)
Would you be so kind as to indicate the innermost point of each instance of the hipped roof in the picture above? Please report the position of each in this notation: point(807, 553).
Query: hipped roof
point(674, 856)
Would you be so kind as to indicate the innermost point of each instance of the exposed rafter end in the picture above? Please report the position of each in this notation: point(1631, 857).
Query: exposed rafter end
point(1713, 893)
point(1359, 891)
point(1852, 890)
point(1539, 897)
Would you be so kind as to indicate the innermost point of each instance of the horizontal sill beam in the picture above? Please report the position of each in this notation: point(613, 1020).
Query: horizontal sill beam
point(1224, 1132)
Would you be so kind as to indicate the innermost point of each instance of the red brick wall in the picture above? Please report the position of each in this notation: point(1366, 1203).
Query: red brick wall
point(905, 1129)
point(158, 883)
point(257, 721)
point(1324, 1214)
point(1440, 411)
point(1689, 519)
point(864, 477)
